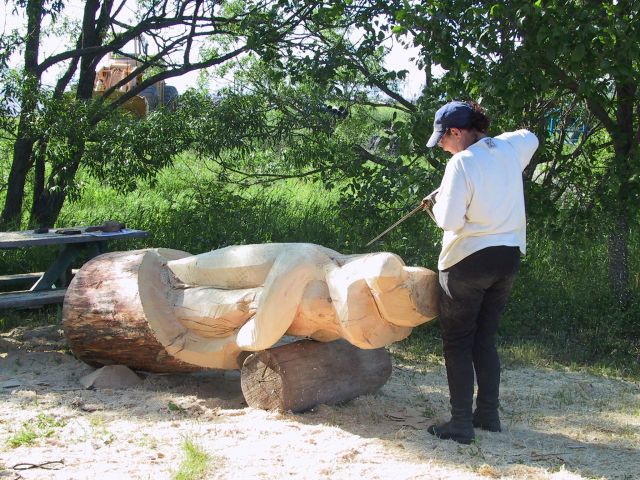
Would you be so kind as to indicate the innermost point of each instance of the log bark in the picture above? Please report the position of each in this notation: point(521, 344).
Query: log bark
point(301, 375)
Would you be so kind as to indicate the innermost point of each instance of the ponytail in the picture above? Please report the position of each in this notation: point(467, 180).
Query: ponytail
point(479, 120)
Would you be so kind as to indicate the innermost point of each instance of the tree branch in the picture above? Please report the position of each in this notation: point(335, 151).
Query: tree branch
point(163, 76)
point(266, 177)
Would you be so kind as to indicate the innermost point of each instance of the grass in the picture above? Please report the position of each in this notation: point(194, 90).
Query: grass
point(42, 426)
point(100, 430)
point(26, 436)
point(200, 213)
point(148, 441)
point(174, 407)
point(195, 463)
point(10, 319)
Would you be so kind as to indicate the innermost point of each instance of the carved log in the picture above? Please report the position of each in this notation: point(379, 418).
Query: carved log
point(371, 300)
point(165, 310)
point(118, 310)
point(304, 374)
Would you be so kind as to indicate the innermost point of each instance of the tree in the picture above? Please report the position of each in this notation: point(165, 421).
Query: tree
point(332, 66)
point(233, 28)
point(533, 61)
point(526, 60)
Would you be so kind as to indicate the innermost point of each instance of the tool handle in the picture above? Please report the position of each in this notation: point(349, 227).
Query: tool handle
point(411, 213)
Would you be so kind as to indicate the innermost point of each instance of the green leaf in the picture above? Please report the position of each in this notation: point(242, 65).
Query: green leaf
point(399, 30)
point(578, 53)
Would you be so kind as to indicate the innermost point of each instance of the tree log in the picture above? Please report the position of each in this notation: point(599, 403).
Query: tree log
point(301, 375)
point(164, 310)
point(118, 310)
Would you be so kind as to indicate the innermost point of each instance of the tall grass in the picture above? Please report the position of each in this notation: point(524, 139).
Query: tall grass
point(195, 464)
point(562, 304)
point(194, 211)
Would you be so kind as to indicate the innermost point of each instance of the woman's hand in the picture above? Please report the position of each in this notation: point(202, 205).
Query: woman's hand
point(430, 200)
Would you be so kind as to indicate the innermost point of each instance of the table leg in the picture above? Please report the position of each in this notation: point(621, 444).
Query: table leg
point(58, 268)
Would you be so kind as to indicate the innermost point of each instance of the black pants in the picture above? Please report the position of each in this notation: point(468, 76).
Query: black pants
point(473, 294)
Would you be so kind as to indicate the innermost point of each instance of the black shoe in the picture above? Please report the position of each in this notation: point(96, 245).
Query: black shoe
point(490, 423)
point(453, 431)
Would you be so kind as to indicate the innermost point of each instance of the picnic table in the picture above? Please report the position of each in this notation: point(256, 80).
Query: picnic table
point(50, 286)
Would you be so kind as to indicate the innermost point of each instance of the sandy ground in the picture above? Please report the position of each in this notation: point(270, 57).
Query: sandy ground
point(557, 425)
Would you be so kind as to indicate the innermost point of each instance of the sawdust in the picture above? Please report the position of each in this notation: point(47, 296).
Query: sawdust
point(557, 425)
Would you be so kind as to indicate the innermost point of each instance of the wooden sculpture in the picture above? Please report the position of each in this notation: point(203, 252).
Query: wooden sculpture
point(164, 310)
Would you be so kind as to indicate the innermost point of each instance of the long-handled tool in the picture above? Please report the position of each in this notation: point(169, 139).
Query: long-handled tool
point(410, 214)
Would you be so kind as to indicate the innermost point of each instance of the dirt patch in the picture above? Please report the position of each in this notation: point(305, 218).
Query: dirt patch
point(557, 425)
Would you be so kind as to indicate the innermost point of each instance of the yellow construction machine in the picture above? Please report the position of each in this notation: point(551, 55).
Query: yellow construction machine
point(149, 99)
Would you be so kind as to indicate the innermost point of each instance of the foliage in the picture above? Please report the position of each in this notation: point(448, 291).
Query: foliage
point(231, 29)
point(526, 60)
point(522, 59)
point(190, 209)
point(278, 129)
point(43, 426)
point(123, 151)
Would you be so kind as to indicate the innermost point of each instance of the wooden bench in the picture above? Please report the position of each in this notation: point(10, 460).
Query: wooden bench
point(30, 299)
point(24, 279)
point(19, 279)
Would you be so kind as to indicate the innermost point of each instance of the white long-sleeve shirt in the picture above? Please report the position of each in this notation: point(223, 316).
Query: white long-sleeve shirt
point(480, 202)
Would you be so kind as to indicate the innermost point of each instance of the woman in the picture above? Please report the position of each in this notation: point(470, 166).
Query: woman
point(480, 207)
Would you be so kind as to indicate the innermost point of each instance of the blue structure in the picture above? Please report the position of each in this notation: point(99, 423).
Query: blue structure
point(574, 131)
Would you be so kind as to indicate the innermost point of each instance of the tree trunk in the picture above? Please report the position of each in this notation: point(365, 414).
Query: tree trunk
point(304, 374)
point(149, 309)
point(23, 147)
point(39, 167)
point(12, 211)
point(623, 141)
point(93, 31)
point(48, 204)
point(618, 254)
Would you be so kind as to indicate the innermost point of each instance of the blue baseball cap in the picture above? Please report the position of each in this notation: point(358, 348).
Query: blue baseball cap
point(454, 114)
